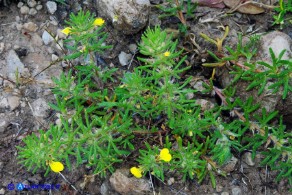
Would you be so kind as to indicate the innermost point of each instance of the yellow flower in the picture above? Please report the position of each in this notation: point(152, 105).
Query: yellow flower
point(137, 172)
point(98, 22)
point(167, 53)
point(165, 155)
point(66, 30)
point(56, 166)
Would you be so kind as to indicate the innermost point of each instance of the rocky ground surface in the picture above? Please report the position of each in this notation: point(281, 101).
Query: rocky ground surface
point(28, 48)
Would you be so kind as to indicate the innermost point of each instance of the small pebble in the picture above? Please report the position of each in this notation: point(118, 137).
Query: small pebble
point(225, 193)
point(39, 7)
point(219, 188)
point(54, 57)
point(30, 26)
point(1, 47)
point(247, 158)
point(124, 58)
point(236, 191)
point(51, 6)
point(170, 181)
point(18, 26)
point(24, 10)
point(47, 38)
point(20, 4)
point(2, 191)
point(17, 19)
point(31, 3)
point(133, 48)
point(32, 11)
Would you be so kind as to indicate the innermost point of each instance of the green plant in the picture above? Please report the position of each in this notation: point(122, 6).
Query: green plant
point(282, 10)
point(177, 8)
point(86, 132)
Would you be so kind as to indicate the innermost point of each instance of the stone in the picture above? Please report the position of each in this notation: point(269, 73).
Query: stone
point(54, 57)
point(31, 3)
point(36, 40)
point(277, 41)
point(13, 102)
point(133, 48)
point(4, 103)
point(124, 184)
point(124, 58)
point(2, 191)
point(32, 11)
point(24, 10)
point(247, 158)
point(40, 108)
point(219, 188)
point(236, 191)
point(19, 26)
point(3, 124)
point(127, 16)
point(20, 4)
point(60, 34)
point(205, 104)
point(39, 7)
point(2, 46)
point(170, 181)
point(106, 189)
point(30, 26)
point(51, 6)
point(230, 166)
point(13, 65)
point(47, 38)
point(225, 193)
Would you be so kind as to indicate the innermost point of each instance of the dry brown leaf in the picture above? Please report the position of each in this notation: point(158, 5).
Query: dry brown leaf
point(210, 3)
point(245, 7)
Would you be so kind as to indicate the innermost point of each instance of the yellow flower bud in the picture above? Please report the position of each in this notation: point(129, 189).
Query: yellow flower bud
point(98, 22)
point(66, 30)
point(137, 172)
point(56, 166)
point(166, 54)
point(165, 155)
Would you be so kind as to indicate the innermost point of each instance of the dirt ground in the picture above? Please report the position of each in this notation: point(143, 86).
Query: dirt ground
point(37, 56)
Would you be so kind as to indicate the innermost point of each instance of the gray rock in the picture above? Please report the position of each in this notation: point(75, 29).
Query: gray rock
point(230, 166)
point(36, 40)
point(47, 38)
point(106, 189)
point(20, 4)
point(278, 41)
point(39, 7)
point(32, 11)
point(13, 102)
point(225, 193)
point(13, 64)
point(205, 104)
point(31, 3)
point(219, 188)
point(133, 48)
point(60, 34)
point(30, 26)
point(51, 6)
point(124, 184)
point(24, 10)
point(2, 191)
point(247, 158)
point(127, 16)
point(236, 191)
point(124, 58)
point(4, 103)
point(3, 124)
point(1, 47)
point(40, 108)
